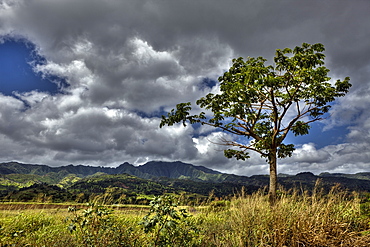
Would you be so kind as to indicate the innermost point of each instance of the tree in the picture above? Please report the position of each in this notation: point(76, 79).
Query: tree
point(262, 103)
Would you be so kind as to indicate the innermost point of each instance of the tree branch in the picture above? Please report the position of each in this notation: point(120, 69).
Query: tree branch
point(225, 142)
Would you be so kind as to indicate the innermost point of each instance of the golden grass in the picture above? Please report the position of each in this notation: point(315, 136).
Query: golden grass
point(334, 219)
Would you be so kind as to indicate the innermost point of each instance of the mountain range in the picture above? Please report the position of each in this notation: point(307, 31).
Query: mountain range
point(149, 170)
point(157, 176)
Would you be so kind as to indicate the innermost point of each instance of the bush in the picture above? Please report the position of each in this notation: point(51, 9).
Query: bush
point(96, 226)
point(169, 226)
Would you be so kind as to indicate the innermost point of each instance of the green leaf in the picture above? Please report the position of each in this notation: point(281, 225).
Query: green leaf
point(300, 128)
point(239, 155)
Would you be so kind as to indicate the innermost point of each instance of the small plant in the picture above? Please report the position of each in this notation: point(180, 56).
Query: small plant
point(168, 225)
point(96, 226)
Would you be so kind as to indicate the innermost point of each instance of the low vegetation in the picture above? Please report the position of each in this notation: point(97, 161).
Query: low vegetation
point(336, 218)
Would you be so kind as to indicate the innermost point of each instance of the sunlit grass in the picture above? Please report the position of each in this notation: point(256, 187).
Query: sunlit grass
point(298, 219)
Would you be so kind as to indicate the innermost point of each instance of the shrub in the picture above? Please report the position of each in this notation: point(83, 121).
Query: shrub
point(96, 226)
point(169, 226)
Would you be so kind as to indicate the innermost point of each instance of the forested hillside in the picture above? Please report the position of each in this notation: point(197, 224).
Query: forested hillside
point(135, 184)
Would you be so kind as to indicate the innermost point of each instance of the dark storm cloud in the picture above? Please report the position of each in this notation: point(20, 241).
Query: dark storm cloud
point(124, 57)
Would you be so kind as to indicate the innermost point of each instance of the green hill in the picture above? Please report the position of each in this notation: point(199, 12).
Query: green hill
point(133, 184)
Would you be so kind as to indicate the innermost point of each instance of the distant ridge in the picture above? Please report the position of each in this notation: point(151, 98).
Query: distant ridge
point(180, 170)
point(149, 170)
point(159, 170)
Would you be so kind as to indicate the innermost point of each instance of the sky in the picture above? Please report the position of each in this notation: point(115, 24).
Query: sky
point(86, 82)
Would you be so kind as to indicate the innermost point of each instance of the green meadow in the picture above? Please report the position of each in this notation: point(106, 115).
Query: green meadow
point(337, 218)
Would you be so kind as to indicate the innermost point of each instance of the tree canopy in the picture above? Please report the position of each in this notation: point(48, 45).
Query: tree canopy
point(265, 102)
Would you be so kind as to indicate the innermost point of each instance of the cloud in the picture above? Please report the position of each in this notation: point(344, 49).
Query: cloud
point(341, 158)
point(309, 154)
point(127, 62)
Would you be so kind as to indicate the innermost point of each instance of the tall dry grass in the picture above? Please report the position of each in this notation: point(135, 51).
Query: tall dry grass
point(297, 219)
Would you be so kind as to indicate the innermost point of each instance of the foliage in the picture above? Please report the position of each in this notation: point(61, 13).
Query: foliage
point(96, 226)
point(40, 193)
point(169, 226)
point(262, 104)
point(118, 188)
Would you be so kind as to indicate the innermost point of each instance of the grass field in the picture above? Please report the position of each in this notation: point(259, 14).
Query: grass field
point(333, 219)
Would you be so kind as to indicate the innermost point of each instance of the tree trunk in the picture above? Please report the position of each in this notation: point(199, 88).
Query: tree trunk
point(273, 178)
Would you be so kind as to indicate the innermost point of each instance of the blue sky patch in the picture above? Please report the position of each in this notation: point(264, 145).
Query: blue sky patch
point(16, 73)
point(320, 137)
point(207, 83)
